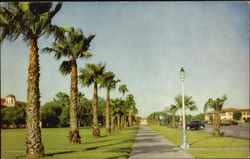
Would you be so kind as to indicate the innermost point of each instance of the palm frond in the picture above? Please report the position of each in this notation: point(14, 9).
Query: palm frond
point(86, 55)
point(57, 8)
point(208, 104)
point(65, 67)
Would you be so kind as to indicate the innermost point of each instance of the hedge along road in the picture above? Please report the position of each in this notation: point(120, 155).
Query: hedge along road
point(232, 130)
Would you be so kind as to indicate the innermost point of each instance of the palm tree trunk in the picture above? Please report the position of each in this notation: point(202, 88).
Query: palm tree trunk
point(126, 121)
point(130, 117)
point(108, 130)
point(96, 130)
point(173, 123)
point(112, 123)
point(216, 124)
point(74, 136)
point(122, 121)
point(119, 121)
point(34, 146)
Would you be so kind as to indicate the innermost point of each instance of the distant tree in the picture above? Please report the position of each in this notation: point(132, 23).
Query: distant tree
point(13, 115)
point(64, 116)
point(200, 116)
point(216, 105)
point(63, 98)
point(237, 115)
point(85, 111)
point(50, 114)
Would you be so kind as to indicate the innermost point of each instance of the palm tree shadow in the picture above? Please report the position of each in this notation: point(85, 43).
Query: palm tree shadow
point(50, 154)
point(200, 140)
point(58, 153)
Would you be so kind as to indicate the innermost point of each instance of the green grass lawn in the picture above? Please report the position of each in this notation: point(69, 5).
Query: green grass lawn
point(234, 147)
point(116, 145)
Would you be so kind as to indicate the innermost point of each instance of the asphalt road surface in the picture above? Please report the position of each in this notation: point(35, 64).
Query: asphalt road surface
point(149, 145)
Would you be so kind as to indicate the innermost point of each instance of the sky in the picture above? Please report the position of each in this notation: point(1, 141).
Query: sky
point(145, 44)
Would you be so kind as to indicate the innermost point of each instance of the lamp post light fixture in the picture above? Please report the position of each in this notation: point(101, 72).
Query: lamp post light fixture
point(184, 134)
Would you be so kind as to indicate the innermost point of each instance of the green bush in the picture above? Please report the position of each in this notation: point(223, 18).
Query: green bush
point(225, 121)
point(237, 115)
point(50, 113)
point(13, 115)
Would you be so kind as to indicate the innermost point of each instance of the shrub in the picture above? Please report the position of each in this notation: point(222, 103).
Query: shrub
point(237, 115)
point(14, 116)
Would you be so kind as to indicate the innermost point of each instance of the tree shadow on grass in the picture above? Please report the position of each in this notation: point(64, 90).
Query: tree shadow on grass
point(50, 154)
point(118, 157)
point(97, 147)
point(58, 153)
point(102, 141)
point(203, 139)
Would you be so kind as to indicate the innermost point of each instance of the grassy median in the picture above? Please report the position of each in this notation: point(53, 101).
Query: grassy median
point(116, 145)
point(205, 145)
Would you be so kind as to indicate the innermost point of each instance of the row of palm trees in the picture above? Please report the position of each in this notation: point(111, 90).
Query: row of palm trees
point(32, 21)
point(215, 105)
point(172, 110)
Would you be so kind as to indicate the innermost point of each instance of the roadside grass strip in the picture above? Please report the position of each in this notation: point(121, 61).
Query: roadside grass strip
point(205, 145)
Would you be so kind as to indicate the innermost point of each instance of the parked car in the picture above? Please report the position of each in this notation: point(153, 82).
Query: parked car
point(195, 124)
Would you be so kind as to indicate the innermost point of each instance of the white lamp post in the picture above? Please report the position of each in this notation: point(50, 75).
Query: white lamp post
point(184, 135)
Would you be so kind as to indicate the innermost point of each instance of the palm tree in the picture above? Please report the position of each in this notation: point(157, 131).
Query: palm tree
point(216, 105)
point(173, 109)
point(114, 110)
point(109, 83)
point(189, 103)
point(124, 110)
point(92, 74)
point(123, 89)
point(31, 20)
point(117, 111)
point(73, 45)
point(131, 105)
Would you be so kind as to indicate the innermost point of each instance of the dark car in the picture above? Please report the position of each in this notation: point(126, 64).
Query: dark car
point(195, 124)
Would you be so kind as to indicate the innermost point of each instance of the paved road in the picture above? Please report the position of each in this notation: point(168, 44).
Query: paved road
point(232, 130)
point(149, 145)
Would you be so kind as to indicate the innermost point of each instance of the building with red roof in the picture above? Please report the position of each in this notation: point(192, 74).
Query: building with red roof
point(10, 101)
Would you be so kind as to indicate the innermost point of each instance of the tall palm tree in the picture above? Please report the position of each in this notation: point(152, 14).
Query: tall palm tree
point(123, 89)
point(216, 105)
point(73, 45)
point(109, 83)
point(31, 20)
point(92, 74)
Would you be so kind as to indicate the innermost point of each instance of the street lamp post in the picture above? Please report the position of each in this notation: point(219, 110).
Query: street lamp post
point(184, 135)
